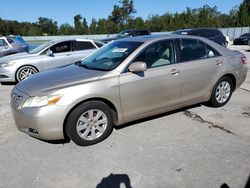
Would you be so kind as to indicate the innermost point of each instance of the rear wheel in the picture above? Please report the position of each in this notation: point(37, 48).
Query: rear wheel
point(89, 123)
point(222, 92)
point(24, 72)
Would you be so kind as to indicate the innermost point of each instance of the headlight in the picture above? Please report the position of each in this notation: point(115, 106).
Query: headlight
point(8, 64)
point(39, 101)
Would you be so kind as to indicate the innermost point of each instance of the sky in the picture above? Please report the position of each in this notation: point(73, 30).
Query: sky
point(63, 11)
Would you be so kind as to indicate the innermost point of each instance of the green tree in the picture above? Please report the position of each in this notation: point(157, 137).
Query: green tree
point(78, 24)
point(85, 26)
point(81, 25)
point(122, 14)
point(66, 29)
point(244, 13)
point(48, 26)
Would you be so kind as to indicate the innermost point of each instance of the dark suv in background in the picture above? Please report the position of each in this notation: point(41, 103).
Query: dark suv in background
point(242, 40)
point(127, 33)
point(210, 33)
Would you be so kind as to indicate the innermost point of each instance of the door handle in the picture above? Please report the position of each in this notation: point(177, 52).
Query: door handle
point(219, 62)
point(175, 72)
point(68, 54)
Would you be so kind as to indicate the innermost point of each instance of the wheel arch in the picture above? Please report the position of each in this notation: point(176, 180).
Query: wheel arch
point(112, 107)
point(25, 66)
point(232, 77)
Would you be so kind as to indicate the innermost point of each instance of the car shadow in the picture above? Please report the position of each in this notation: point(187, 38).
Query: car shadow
point(67, 140)
point(155, 117)
point(115, 181)
point(8, 83)
point(225, 185)
point(55, 142)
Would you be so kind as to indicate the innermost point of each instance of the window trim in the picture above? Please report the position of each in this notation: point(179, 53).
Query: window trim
point(125, 70)
point(179, 50)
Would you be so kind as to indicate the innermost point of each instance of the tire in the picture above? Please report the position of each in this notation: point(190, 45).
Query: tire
point(24, 72)
point(222, 92)
point(89, 123)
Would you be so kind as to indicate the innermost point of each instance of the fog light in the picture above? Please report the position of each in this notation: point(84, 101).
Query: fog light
point(34, 131)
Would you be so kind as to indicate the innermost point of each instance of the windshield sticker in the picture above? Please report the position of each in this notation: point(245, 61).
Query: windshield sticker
point(119, 50)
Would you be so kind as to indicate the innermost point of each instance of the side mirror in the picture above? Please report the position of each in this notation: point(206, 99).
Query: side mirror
point(49, 53)
point(137, 66)
point(210, 53)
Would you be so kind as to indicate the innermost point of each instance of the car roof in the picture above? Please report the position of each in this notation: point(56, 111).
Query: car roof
point(76, 39)
point(149, 38)
point(155, 38)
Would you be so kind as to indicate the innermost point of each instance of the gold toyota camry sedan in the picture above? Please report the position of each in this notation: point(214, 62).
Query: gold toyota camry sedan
point(123, 81)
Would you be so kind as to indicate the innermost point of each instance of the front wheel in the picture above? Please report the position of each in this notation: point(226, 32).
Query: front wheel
point(24, 72)
point(222, 92)
point(89, 123)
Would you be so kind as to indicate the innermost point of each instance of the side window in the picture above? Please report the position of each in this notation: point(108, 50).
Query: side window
point(143, 32)
point(192, 49)
point(2, 42)
point(61, 47)
point(133, 34)
point(158, 54)
point(10, 40)
point(211, 52)
point(82, 45)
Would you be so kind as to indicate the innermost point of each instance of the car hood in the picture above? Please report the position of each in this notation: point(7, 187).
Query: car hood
point(54, 79)
point(14, 57)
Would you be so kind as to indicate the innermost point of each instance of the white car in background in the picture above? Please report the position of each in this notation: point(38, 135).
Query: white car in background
point(12, 45)
point(56, 53)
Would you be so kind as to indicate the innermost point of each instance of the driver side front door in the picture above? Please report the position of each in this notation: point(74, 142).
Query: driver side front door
point(157, 88)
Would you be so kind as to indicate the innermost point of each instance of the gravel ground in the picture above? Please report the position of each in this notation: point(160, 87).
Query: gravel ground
point(193, 147)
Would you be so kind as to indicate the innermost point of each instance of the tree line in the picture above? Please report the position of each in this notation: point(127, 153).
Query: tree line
point(122, 18)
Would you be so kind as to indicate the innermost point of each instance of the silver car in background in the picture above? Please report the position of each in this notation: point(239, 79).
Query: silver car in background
point(10, 45)
point(56, 53)
point(126, 80)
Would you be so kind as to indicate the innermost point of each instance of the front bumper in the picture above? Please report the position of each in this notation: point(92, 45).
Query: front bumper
point(7, 74)
point(45, 123)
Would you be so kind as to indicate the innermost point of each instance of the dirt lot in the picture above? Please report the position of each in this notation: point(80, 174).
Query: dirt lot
point(193, 147)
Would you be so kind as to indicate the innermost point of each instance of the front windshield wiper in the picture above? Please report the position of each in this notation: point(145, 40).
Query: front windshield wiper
point(89, 67)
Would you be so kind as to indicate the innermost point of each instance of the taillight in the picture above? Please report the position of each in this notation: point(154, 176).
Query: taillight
point(243, 60)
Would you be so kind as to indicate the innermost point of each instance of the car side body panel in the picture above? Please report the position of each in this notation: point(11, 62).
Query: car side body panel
point(133, 95)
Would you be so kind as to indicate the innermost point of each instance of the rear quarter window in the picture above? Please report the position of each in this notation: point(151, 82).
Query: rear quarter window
point(192, 49)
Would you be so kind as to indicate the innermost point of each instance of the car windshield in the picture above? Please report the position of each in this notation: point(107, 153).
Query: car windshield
point(40, 47)
point(123, 34)
point(110, 56)
point(246, 35)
